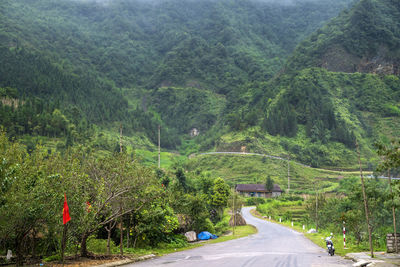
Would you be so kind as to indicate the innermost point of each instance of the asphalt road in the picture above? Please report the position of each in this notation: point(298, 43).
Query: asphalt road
point(273, 245)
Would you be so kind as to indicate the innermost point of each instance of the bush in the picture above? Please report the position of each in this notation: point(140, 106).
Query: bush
point(100, 245)
point(56, 257)
point(254, 201)
point(221, 227)
point(208, 226)
point(290, 198)
point(174, 241)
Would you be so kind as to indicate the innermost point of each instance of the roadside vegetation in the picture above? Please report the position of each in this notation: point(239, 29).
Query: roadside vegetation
point(326, 213)
point(105, 194)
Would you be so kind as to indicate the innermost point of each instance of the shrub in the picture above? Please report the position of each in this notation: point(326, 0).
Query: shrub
point(174, 241)
point(56, 257)
point(100, 245)
point(254, 201)
point(221, 227)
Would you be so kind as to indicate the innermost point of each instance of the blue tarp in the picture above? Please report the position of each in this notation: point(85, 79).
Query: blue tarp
point(206, 236)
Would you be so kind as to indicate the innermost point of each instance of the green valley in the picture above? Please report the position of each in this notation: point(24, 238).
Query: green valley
point(301, 92)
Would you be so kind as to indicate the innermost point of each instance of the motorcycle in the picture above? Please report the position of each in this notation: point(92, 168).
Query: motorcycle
point(329, 245)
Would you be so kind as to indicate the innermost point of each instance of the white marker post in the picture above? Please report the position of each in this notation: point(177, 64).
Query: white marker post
point(280, 220)
point(292, 224)
point(304, 227)
point(344, 235)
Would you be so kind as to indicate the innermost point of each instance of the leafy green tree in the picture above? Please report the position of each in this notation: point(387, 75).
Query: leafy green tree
point(391, 160)
point(269, 184)
point(181, 178)
point(220, 196)
point(154, 224)
point(115, 185)
point(21, 206)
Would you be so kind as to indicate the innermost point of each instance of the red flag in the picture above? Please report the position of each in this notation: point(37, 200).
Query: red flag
point(88, 206)
point(66, 217)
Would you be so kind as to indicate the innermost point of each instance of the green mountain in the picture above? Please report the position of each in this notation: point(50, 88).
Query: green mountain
point(274, 77)
point(106, 60)
point(364, 39)
point(340, 84)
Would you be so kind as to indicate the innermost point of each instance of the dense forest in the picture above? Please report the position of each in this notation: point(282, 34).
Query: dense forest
point(219, 67)
point(86, 84)
point(181, 65)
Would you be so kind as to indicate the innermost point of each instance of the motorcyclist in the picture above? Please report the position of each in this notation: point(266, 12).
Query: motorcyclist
point(329, 245)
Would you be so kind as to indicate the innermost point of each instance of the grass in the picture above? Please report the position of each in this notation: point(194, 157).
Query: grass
point(240, 231)
point(319, 238)
point(254, 169)
point(167, 159)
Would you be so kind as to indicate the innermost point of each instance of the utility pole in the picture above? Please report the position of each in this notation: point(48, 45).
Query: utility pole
point(288, 173)
point(234, 213)
point(120, 138)
point(316, 205)
point(393, 213)
point(159, 146)
point(121, 229)
point(365, 203)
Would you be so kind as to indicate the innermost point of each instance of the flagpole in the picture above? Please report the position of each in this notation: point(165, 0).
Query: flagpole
point(63, 243)
point(66, 219)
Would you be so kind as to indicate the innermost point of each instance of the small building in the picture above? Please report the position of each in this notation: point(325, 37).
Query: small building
point(258, 190)
point(194, 132)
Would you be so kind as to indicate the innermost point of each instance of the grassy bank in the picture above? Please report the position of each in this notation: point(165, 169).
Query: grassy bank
point(319, 238)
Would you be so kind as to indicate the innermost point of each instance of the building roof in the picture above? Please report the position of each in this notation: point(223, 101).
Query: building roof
point(256, 188)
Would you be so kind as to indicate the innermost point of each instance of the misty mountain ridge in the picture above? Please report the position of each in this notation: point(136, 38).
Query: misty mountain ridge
point(217, 66)
point(363, 39)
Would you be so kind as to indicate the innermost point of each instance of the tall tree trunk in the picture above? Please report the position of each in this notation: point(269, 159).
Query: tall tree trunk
point(84, 252)
point(19, 250)
point(365, 203)
point(111, 226)
point(108, 238)
point(121, 238)
point(127, 237)
point(316, 212)
point(34, 243)
point(121, 229)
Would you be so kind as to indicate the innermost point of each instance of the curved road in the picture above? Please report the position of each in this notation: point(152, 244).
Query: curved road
point(273, 245)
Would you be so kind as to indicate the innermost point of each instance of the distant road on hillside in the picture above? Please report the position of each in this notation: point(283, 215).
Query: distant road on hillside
point(253, 154)
point(285, 159)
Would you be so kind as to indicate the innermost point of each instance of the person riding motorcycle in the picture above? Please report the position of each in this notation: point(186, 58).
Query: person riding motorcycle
point(329, 245)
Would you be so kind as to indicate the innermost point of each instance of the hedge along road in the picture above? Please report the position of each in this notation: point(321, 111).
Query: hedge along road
point(273, 245)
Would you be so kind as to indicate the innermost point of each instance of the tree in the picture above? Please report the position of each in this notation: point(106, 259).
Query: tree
point(391, 160)
point(154, 223)
point(26, 204)
point(114, 185)
point(180, 176)
point(220, 195)
point(269, 184)
point(365, 203)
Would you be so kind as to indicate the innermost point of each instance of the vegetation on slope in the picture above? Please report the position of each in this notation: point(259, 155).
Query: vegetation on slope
point(78, 54)
point(365, 38)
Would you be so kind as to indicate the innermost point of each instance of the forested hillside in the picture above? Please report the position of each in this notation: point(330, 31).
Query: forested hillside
point(76, 55)
point(218, 66)
point(86, 84)
point(365, 38)
point(322, 95)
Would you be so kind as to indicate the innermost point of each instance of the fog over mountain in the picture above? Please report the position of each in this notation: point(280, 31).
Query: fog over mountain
point(217, 66)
